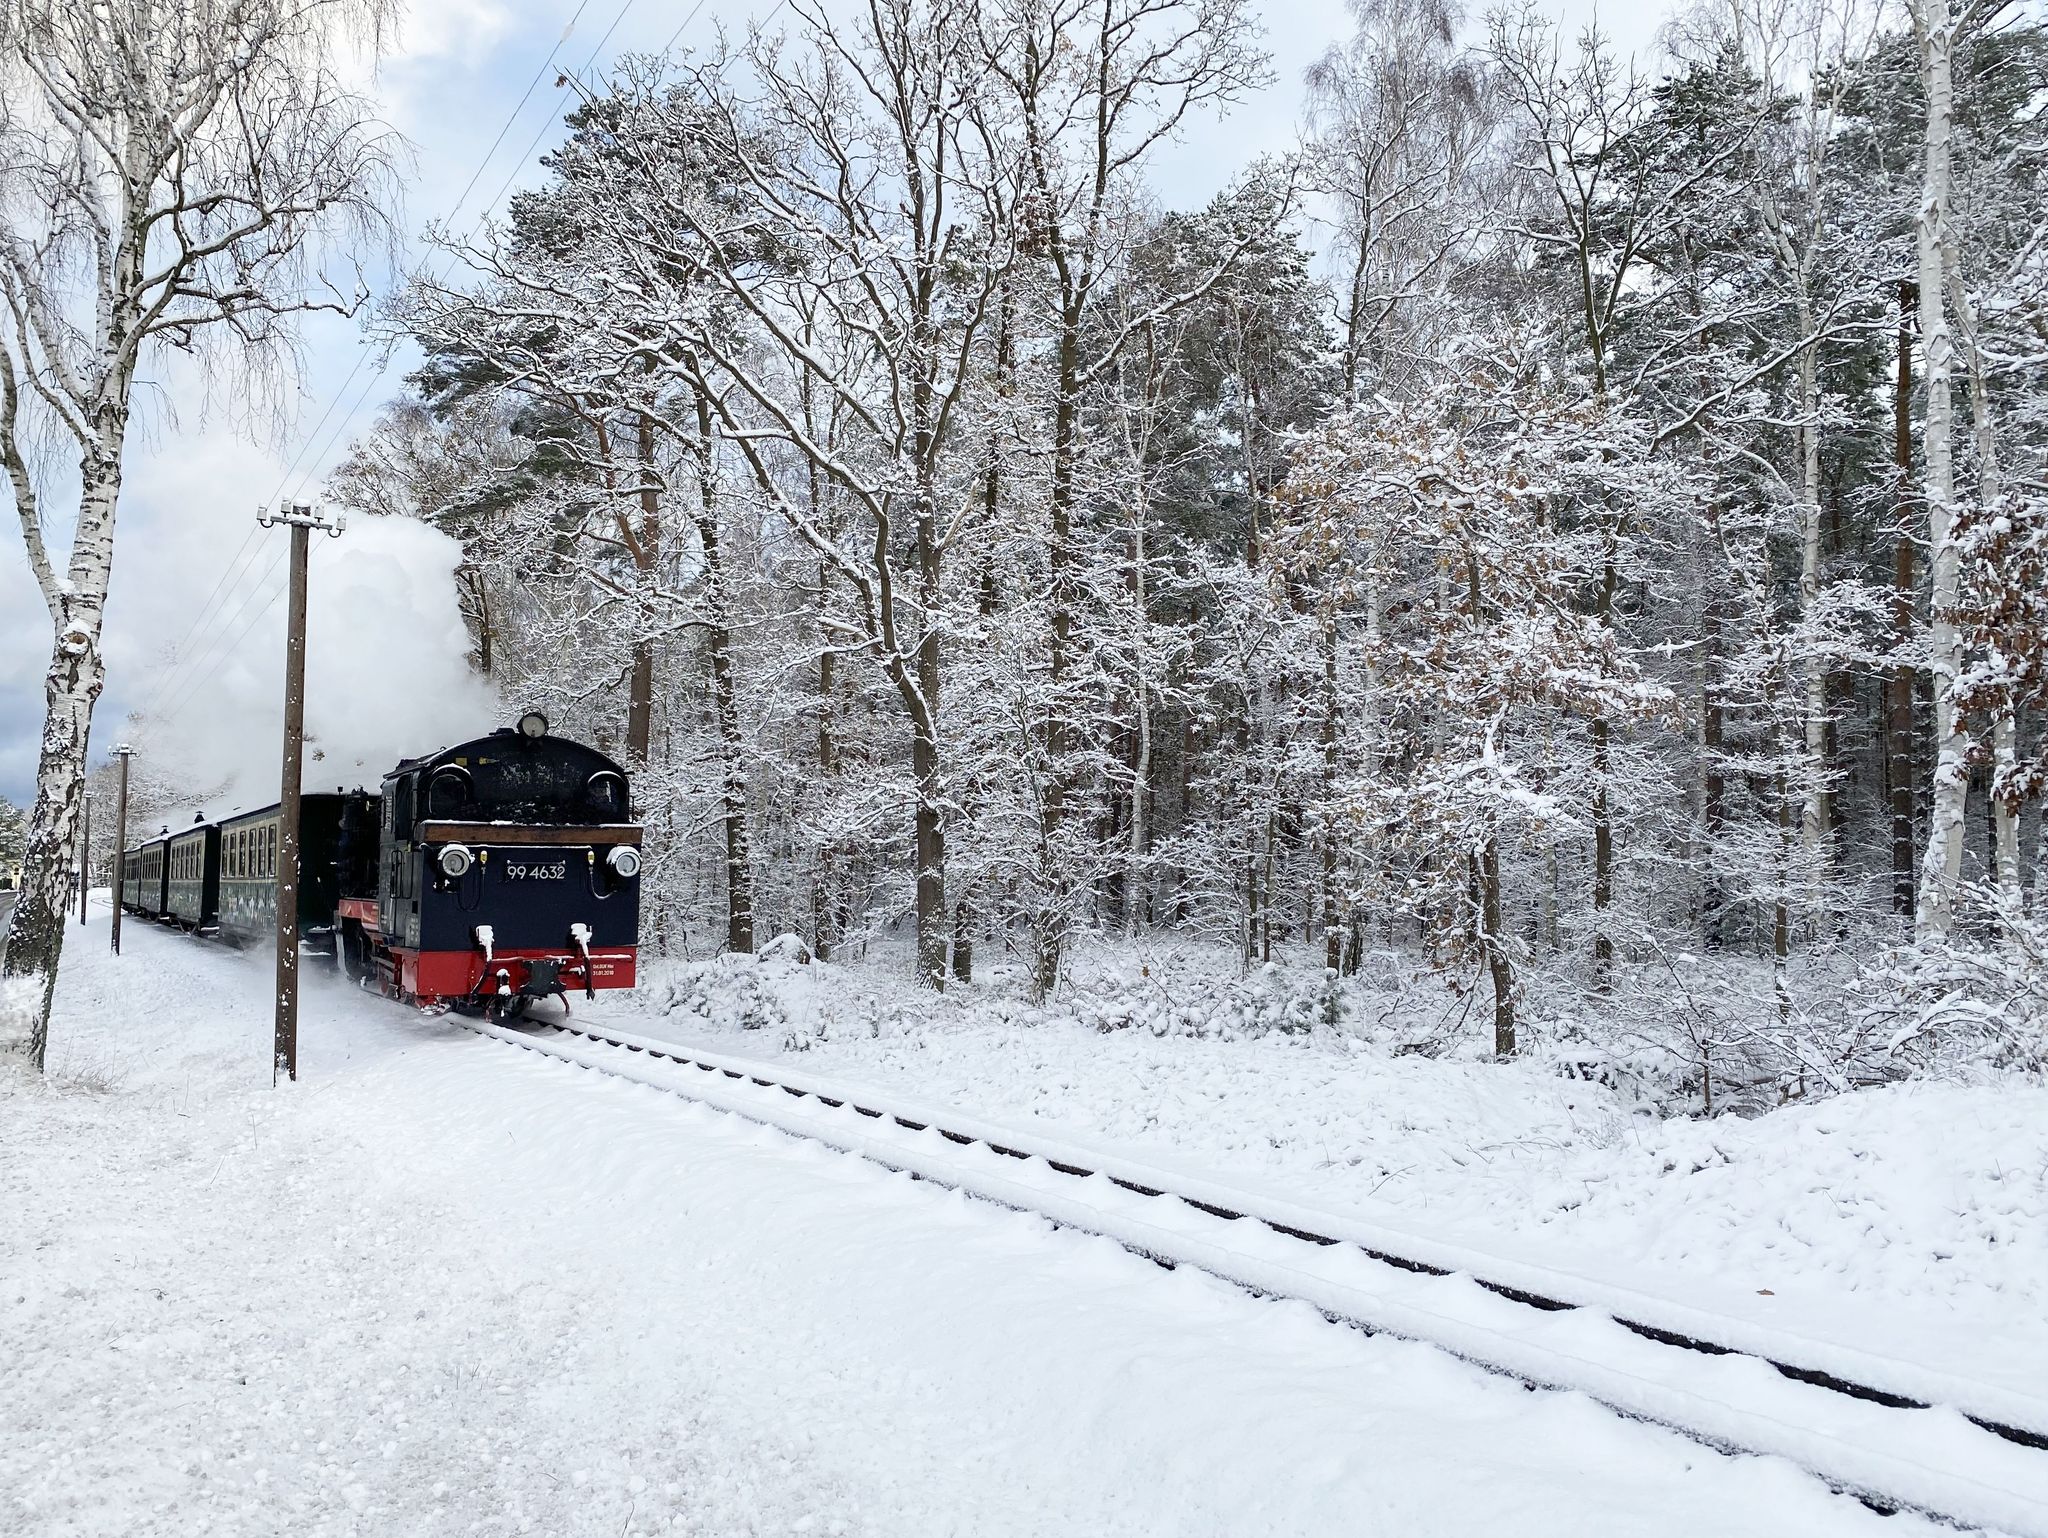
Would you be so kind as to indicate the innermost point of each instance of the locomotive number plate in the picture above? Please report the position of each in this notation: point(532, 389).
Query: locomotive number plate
point(535, 870)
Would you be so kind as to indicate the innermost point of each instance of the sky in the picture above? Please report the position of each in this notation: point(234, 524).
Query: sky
point(203, 462)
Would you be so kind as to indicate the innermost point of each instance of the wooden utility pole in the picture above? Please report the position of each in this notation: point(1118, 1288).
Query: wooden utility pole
point(300, 518)
point(85, 857)
point(123, 752)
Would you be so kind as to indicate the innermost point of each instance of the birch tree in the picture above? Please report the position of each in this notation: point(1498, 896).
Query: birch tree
point(1941, 27)
point(171, 175)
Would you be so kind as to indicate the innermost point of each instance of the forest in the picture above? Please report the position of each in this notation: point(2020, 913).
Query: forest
point(1575, 526)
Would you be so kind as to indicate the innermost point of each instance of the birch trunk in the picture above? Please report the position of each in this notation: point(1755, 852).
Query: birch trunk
point(1141, 769)
point(1942, 864)
point(1898, 696)
point(76, 674)
point(1331, 915)
point(1814, 811)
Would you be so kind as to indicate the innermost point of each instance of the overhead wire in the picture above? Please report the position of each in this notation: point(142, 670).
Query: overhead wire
point(173, 692)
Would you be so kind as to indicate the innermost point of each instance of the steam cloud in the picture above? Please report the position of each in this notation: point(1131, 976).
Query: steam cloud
point(386, 677)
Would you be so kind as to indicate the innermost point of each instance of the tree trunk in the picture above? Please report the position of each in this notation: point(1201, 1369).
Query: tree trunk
point(71, 687)
point(2005, 822)
point(824, 934)
point(1942, 865)
point(1332, 918)
point(739, 867)
point(1497, 963)
point(1141, 766)
point(1899, 685)
point(1266, 893)
point(640, 690)
point(35, 936)
point(933, 917)
point(1714, 792)
point(964, 915)
point(1781, 909)
point(1050, 920)
point(1814, 812)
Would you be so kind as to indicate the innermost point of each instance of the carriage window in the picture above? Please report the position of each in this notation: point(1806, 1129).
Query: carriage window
point(401, 811)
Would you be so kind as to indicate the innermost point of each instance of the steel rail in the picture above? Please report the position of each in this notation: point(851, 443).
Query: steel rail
point(1900, 1480)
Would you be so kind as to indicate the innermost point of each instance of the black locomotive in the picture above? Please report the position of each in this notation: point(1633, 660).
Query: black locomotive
point(485, 876)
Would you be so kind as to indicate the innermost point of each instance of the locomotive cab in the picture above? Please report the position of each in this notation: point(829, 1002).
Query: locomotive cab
point(507, 870)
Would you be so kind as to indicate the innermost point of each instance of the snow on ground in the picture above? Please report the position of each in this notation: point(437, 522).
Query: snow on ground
point(1915, 1214)
point(442, 1286)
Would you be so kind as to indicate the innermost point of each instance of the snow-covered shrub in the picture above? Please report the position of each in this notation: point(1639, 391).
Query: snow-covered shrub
point(1978, 1001)
point(729, 989)
point(1715, 1032)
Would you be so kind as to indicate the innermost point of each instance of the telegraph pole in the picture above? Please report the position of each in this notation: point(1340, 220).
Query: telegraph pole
point(300, 518)
point(123, 752)
point(85, 858)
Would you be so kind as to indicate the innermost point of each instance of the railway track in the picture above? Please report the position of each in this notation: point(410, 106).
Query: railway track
point(1896, 1434)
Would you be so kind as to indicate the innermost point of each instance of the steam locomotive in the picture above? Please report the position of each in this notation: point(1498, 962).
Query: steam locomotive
point(483, 877)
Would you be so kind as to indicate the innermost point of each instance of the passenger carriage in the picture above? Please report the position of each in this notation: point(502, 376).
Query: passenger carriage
point(247, 859)
point(144, 873)
point(192, 881)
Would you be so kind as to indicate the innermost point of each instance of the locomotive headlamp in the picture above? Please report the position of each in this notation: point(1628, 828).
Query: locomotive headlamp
point(533, 724)
point(456, 860)
point(624, 860)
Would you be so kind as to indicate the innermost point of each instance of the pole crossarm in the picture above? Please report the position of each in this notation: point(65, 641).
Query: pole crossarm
point(301, 515)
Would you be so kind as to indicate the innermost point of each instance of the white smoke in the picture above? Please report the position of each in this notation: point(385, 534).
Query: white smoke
point(386, 677)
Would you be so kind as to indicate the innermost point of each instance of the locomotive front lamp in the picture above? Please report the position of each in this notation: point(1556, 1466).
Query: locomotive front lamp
point(624, 860)
point(533, 725)
point(456, 860)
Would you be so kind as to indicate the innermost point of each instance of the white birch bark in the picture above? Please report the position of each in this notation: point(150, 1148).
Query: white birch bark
point(1934, 22)
point(1813, 818)
point(1134, 878)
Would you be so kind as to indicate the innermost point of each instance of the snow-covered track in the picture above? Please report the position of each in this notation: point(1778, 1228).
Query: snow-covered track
point(1898, 1434)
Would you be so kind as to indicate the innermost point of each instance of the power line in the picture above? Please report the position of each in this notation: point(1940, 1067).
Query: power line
point(225, 640)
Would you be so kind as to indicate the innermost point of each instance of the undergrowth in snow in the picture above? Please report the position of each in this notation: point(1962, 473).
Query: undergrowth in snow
point(1928, 1193)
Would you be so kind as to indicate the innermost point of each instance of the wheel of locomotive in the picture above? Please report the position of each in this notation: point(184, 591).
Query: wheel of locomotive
point(511, 1009)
